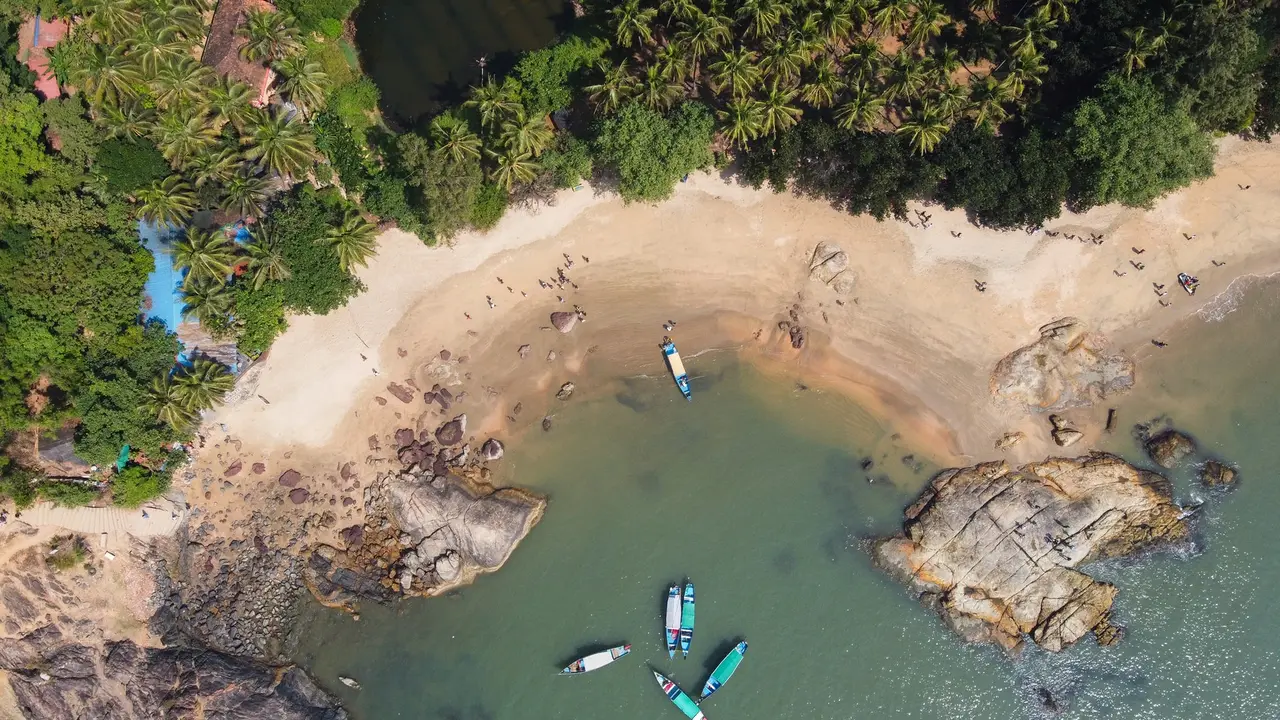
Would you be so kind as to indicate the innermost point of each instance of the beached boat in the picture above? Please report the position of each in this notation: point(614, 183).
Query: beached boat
point(686, 620)
point(673, 619)
point(724, 670)
point(595, 661)
point(677, 367)
point(679, 698)
point(1188, 283)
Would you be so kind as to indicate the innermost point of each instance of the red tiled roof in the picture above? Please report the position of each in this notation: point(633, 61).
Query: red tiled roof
point(34, 37)
point(222, 48)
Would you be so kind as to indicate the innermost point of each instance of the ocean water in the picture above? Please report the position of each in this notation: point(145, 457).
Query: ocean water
point(755, 492)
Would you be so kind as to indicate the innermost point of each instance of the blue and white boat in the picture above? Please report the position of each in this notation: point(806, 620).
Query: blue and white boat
point(673, 620)
point(677, 367)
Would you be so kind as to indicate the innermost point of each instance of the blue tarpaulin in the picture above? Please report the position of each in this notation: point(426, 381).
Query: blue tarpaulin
point(164, 284)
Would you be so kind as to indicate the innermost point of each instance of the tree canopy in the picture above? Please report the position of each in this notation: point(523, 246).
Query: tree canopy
point(650, 151)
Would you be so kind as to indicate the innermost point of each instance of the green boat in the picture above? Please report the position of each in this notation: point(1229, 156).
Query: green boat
point(679, 698)
point(724, 670)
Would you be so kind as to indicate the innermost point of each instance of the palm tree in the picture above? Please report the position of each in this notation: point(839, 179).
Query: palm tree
point(951, 99)
point(111, 20)
point(743, 120)
point(128, 121)
point(1031, 37)
point(168, 202)
point(215, 166)
point(989, 98)
point(187, 19)
point(762, 16)
point(834, 19)
point(1055, 9)
point(942, 64)
point(512, 167)
point(892, 14)
point(209, 303)
point(779, 113)
point(354, 242)
point(162, 402)
point(269, 36)
point(737, 71)
point(783, 59)
point(280, 144)
point(181, 135)
point(821, 89)
point(656, 91)
point(106, 75)
point(304, 82)
point(632, 22)
point(155, 42)
point(230, 101)
point(66, 58)
point(181, 82)
point(526, 135)
point(924, 127)
point(909, 78)
point(615, 88)
point(672, 61)
point(864, 61)
point(494, 102)
point(1140, 49)
point(245, 195)
point(702, 36)
point(204, 384)
point(207, 256)
point(927, 23)
point(1022, 72)
point(454, 139)
point(266, 262)
point(679, 9)
point(863, 111)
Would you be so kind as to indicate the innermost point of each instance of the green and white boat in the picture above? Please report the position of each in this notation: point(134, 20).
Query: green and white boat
point(686, 620)
point(679, 698)
point(724, 670)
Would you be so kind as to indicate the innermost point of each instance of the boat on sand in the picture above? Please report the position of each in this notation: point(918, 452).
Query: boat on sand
point(677, 367)
point(686, 620)
point(673, 620)
point(724, 670)
point(1188, 283)
point(595, 661)
point(679, 698)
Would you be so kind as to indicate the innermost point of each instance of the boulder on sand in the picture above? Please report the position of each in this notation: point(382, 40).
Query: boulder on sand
point(1067, 367)
point(1169, 448)
point(566, 391)
point(299, 495)
point(564, 321)
point(829, 265)
point(995, 550)
point(524, 351)
point(452, 432)
point(289, 478)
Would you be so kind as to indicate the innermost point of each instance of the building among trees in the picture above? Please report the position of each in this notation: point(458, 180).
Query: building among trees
point(222, 49)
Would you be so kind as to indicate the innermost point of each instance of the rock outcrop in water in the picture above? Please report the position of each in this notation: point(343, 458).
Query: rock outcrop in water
point(1067, 367)
point(54, 676)
point(994, 550)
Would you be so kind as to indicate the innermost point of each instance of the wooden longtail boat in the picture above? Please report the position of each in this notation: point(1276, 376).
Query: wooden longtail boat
point(686, 621)
point(679, 698)
point(724, 670)
point(595, 661)
point(673, 620)
point(677, 367)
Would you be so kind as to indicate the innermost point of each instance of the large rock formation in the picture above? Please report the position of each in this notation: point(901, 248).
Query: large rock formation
point(1067, 367)
point(829, 265)
point(53, 676)
point(1169, 448)
point(994, 550)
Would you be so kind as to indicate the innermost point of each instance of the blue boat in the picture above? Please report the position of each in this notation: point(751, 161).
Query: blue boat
point(724, 670)
point(676, 367)
point(673, 620)
point(686, 621)
point(679, 698)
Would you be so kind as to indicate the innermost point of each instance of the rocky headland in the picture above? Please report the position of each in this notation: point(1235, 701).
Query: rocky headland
point(995, 550)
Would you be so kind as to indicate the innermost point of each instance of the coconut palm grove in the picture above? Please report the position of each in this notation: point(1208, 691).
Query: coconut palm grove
point(245, 135)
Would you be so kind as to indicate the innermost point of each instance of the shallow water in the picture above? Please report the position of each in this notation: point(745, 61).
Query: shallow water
point(754, 491)
point(424, 52)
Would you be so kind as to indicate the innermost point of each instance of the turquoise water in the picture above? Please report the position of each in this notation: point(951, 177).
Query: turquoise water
point(754, 491)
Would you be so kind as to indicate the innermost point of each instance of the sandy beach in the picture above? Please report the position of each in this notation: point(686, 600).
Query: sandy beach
point(914, 341)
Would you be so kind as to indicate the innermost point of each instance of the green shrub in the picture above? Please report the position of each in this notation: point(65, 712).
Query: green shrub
point(330, 28)
point(651, 151)
point(317, 284)
point(333, 61)
point(569, 162)
point(548, 77)
point(491, 204)
point(353, 104)
point(136, 484)
point(130, 165)
point(386, 195)
point(311, 14)
point(335, 140)
point(66, 552)
point(68, 494)
point(17, 484)
point(259, 316)
point(78, 140)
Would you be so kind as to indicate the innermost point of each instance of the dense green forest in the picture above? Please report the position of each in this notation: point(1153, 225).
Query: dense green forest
point(1010, 110)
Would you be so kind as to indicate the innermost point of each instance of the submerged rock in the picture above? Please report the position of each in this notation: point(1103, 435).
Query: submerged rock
point(994, 550)
point(1169, 448)
point(1067, 367)
point(492, 449)
point(566, 390)
point(1216, 474)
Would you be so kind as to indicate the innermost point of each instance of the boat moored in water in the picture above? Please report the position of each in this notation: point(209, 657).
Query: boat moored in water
point(677, 367)
point(724, 670)
point(679, 698)
point(686, 620)
point(595, 661)
point(673, 620)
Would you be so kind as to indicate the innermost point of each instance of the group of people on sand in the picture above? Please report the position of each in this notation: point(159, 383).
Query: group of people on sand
point(558, 281)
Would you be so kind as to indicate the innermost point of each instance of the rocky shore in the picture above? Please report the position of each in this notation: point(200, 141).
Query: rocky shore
point(995, 550)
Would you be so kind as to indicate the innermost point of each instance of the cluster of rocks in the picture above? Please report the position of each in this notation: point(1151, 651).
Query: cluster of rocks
point(796, 332)
point(54, 675)
point(1068, 366)
point(1063, 434)
point(829, 265)
point(1169, 449)
point(995, 550)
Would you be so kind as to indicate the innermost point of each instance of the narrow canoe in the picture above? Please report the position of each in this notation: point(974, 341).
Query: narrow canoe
point(679, 698)
point(677, 368)
point(595, 661)
point(686, 620)
point(724, 670)
point(673, 620)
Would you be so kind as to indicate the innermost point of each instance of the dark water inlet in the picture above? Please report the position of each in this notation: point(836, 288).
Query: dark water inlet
point(424, 53)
